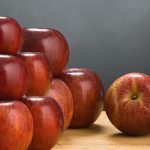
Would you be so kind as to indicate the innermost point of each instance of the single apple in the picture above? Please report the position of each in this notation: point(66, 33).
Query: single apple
point(10, 36)
point(127, 103)
point(38, 72)
point(16, 126)
point(13, 81)
point(62, 94)
point(47, 120)
point(49, 41)
point(88, 93)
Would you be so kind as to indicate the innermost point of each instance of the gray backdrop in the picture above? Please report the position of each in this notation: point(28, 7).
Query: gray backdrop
point(111, 37)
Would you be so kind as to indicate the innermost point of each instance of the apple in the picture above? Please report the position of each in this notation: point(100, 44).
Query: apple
point(16, 126)
point(10, 36)
point(62, 94)
point(127, 103)
point(49, 41)
point(38, 72)
point(13, 81)
point(47, 120)
point(88, 93)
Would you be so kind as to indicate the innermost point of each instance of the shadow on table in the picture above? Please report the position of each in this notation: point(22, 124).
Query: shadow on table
point(70, 135)
point(89, 131)
point(123, 139)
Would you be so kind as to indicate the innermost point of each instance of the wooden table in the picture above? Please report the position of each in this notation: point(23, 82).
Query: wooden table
point(101, 136)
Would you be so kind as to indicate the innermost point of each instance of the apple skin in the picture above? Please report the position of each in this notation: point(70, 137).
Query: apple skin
point(10, 36)
point(16, 126)
point(13, 80)
point(47, 120)
point(49, 41)
point(39, 73)
point(88, 93)
point(127, 103)
point(62, 94)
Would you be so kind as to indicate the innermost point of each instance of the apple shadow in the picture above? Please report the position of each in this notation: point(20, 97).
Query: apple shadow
point(95, 129)
point(88, 131)
point(123, 139)
point(70, 135)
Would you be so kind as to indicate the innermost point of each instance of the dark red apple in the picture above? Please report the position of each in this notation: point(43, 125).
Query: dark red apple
point(87, 91)
point(13, 81)
point(38, 72)
point(62, 94)
point(47, 120)
point(127, 103)
point(10, 36)
point(16, 126)
point(49, 41)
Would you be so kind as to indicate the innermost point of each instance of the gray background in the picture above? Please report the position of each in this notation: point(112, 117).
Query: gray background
point(111, 37)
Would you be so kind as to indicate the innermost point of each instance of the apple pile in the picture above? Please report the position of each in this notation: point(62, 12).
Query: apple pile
point(39, 97)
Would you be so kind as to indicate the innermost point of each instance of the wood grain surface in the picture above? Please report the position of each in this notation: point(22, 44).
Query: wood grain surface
point(101, 136)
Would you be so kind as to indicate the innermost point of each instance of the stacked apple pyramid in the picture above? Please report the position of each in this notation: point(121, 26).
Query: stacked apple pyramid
point(39, 98)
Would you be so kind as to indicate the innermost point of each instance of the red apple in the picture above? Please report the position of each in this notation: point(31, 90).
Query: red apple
point(49, 41)
point(61, 93)
point(47, 120)
point(13, 81)
point(10, 36)
point(38, 72)
point(127, 103)
point(16, 126)
point(87, 91)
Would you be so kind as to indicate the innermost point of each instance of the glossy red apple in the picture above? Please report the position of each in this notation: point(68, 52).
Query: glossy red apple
point(49, 41)
point(16, 126)
point(127, 103)
point(62, 94)
point(47, 120)
point(38, 72)
point(87, 91)
point(10, 36)
point(13, 81)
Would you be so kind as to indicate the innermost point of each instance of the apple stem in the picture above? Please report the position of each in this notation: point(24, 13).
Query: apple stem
point(134, 97)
